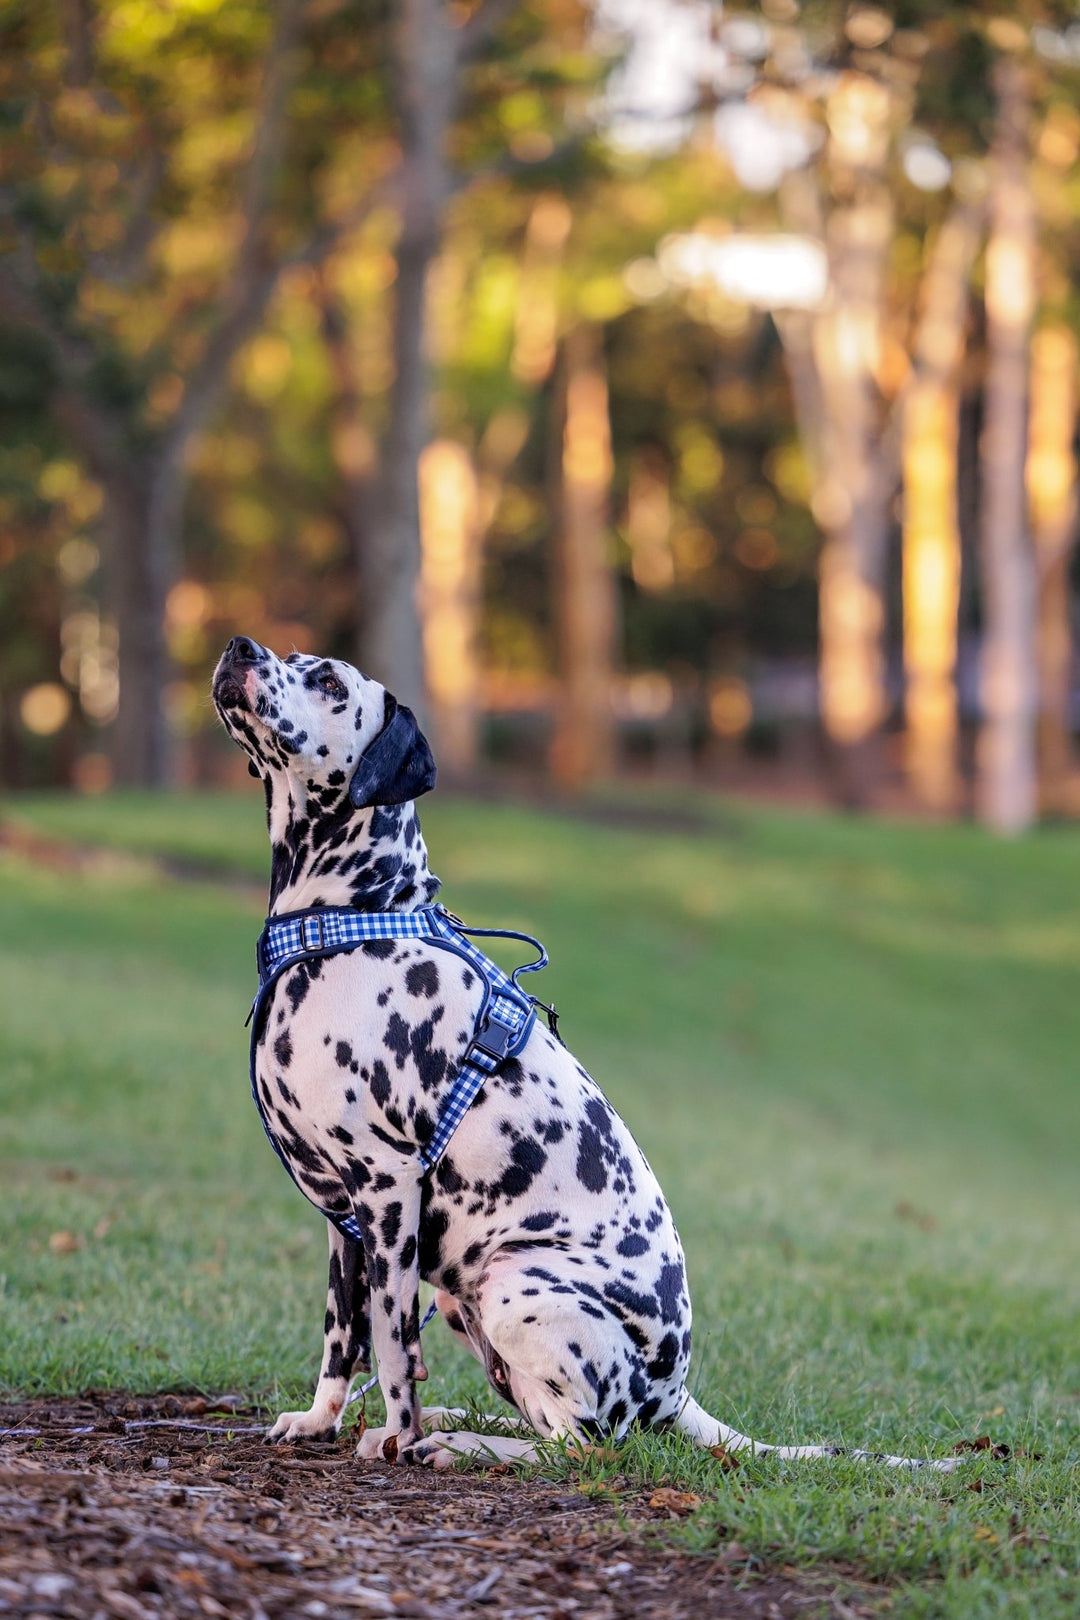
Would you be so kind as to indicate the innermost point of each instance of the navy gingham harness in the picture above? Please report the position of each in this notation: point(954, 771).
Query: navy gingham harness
point(503, 1024)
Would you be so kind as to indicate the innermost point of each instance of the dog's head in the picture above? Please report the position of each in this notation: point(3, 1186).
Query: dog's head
point(325, 723)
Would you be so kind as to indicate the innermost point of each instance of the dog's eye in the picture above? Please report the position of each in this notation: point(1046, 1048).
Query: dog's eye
point(331, 684)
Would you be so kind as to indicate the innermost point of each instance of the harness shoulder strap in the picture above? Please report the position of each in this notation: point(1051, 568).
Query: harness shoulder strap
point(503, 1024)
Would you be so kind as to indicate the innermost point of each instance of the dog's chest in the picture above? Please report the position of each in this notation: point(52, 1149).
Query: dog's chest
point(366, 1041)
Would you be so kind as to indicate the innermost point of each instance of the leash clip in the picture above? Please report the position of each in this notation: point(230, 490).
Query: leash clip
point(551, 1013)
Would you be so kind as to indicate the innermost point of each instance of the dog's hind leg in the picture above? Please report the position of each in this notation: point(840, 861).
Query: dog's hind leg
point(565, 1365)
point(346, 1345)
point(707, 1431)
point(465, 1328)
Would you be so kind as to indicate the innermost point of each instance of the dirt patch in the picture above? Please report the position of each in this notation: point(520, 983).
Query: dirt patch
point(163, 1507)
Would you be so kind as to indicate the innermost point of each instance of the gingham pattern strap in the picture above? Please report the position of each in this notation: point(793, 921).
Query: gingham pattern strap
point(503, 1028)
point(506, 1017)
point(306, 933)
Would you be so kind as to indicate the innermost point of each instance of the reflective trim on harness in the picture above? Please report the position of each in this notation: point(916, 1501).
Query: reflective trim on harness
point(503, 1024)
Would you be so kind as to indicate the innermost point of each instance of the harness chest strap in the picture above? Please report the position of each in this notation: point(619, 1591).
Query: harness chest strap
point(503, 1024)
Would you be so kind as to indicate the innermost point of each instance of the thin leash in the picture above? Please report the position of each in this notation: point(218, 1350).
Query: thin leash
point(372, 1383)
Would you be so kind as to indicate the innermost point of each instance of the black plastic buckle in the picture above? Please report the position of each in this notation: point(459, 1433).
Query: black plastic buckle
point(493, 1040)
point(316, 918)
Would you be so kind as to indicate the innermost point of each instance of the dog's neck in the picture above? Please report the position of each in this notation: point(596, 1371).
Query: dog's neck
point(373, 859)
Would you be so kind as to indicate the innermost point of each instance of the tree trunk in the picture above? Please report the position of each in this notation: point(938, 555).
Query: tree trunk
point(1051, 483)
point(536, 318)
point(143, 516)
point(851, 502)
point(450, 592)
point(931, 576)
point(425, 67)
point(832, 356)
point(139, 579)
point(351, 443)
point(931, 590)
point(583, 748)
point(1006, 786)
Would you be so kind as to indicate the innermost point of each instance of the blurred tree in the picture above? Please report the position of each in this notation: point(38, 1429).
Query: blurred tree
point(432, 44)
point(855, 471)
point(459, 91)
point(1051, 460)
point(1007, 758)
point(833, 92)
point(931, 541)
point(1051, 481)
point(143, 159)
point(449, 599)
point(585, 595)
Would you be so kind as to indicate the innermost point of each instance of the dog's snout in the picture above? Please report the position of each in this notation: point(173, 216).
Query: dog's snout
point(242, 651)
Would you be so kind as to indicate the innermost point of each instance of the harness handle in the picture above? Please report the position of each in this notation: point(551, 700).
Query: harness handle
point(504, 933)
point(548, 1008)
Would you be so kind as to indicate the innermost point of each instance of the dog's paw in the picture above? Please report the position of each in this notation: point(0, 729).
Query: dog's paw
point(433, 1451)
point(383, 1445)
point(444, 1448)
point(317, 1423)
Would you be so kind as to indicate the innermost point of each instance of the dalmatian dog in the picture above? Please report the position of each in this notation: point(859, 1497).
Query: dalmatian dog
point(551, 1247)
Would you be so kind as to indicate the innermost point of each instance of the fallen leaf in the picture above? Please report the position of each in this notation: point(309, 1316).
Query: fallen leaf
point(389, 1448)
point(725, 1458)
point(680, 1503)
point(983, 1532)
point(64, 1243)
point(983, 1443)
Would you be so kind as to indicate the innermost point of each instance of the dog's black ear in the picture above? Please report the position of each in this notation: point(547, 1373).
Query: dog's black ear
point(397, 765)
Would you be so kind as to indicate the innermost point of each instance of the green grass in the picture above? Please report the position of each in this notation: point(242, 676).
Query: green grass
point(851, 1051)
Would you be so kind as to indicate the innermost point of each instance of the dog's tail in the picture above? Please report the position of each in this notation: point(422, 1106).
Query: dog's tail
point(708, 1431)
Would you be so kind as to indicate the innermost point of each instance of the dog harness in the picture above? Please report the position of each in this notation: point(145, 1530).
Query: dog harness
point(503, 1024)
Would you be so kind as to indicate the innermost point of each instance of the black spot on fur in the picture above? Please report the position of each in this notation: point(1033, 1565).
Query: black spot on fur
point(397, 1038)
point(590, 1167)
point(632, 1245)
point(422, 979)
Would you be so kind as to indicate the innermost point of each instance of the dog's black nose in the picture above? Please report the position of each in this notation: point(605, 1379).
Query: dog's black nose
point(242, 651)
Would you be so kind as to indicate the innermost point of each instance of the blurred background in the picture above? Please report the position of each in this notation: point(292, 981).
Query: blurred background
point(677, 405)
point(649, 389)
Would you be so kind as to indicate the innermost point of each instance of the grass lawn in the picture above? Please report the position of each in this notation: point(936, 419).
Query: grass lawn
point(850, 1050)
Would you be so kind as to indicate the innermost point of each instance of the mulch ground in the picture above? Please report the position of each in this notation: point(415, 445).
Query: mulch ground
point(115, 1506)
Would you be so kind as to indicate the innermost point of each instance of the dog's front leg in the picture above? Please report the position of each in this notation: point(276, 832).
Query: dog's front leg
point(346, 1344)
point(391, 1221)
